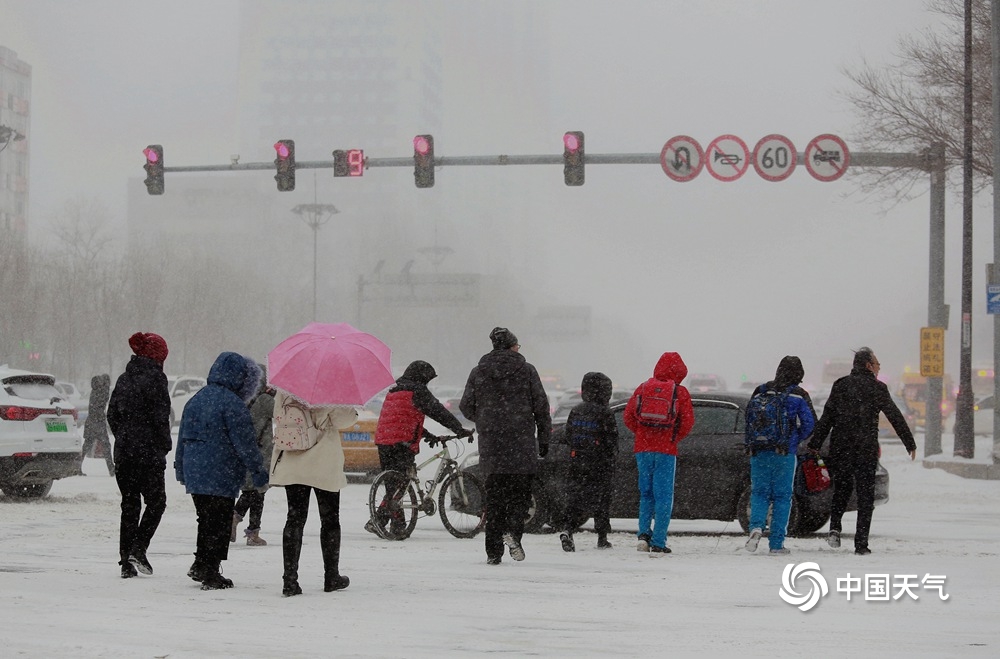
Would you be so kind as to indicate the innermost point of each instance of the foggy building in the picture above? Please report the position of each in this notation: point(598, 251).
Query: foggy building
point(15, 120)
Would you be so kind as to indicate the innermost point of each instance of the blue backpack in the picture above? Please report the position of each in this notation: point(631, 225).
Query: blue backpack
point(768, 426)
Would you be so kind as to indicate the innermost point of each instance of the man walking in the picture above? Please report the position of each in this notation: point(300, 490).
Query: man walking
point(779, 416)
point(850, 418)
point(505, 399)
point(139, 417)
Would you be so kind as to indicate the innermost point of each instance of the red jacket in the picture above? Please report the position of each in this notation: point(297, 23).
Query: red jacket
point(663, 440)
point(400, 421)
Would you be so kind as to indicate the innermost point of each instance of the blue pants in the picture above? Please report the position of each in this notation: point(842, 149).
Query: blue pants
point(771, 478)
point(656, 495)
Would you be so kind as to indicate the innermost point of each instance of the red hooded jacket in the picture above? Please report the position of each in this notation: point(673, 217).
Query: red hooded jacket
point(663, 440)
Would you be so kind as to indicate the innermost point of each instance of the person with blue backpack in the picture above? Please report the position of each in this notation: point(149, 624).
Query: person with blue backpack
point(779, 415)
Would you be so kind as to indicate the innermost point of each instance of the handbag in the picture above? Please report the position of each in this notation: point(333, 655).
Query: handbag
point(817, 476)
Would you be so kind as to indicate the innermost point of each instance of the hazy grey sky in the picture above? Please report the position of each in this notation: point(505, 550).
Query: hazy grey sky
point(690, 267)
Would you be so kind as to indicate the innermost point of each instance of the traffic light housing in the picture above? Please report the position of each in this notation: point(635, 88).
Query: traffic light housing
point(573, 158)
point(423, 161)
point(285, 165)
point(154, 168)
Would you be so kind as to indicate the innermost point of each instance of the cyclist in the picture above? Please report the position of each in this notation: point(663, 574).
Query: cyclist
point(401, 426)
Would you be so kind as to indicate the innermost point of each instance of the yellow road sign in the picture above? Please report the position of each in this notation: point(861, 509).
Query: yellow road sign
point(932, 352)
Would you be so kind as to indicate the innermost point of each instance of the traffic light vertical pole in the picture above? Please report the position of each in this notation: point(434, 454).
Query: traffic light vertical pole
point(936, 312)
point(995, 270)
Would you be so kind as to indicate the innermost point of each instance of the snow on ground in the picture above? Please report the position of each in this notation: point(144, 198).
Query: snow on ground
point(433, 595)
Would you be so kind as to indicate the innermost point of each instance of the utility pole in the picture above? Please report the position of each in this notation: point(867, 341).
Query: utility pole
point(965, 446)
point(995, 270)
point(315, 215)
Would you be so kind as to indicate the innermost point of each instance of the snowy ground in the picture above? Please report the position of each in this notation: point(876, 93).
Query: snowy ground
point(434, 595)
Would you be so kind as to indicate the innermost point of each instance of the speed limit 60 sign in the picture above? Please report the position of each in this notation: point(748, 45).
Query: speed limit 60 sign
point(774, 158)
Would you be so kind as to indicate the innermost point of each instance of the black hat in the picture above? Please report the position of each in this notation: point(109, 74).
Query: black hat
point(502, 338)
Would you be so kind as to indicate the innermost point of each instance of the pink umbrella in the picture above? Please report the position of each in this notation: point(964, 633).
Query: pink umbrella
point(330, 364)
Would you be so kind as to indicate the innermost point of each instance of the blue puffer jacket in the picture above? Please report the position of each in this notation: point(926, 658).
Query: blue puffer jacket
point(216, 445)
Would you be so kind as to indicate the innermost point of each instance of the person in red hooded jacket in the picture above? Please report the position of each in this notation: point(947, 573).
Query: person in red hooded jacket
point(661, 415)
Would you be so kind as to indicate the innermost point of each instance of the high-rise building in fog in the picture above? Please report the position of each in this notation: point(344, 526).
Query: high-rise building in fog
point(15, 120)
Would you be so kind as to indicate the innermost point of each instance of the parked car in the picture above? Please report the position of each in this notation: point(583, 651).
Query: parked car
point(701, 382)
point(573, 398)
point(713, 473)
point(360, 451)
point(181, 388)
point(39, 442)
point(982, 416)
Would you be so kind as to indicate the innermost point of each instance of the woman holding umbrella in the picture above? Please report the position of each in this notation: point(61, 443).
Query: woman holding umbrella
point(320, 374)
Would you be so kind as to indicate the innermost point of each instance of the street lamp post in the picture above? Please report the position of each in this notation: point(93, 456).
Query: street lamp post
point(315, 215)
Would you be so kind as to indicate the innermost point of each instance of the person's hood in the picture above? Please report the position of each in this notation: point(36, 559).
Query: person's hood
point(789, 372)
point(236, 373)
point(670, 367)
point(100, 388)
point(501, 364)
point(418, 371)
point(596, 388)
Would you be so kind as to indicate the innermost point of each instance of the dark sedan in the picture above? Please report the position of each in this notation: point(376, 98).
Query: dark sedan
point(713, 473)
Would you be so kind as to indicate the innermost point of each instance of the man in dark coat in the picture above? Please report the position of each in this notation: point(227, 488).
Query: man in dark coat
point(592, 434)
point(401, 426)
point(95, 428)
point(139, 417)
point(851, 414)
point(504, 397)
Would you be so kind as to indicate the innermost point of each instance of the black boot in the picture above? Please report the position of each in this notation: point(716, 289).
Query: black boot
point(602, 541)
point(330, 543)
point(291, 548)
point(199, 569)
point(213, 578)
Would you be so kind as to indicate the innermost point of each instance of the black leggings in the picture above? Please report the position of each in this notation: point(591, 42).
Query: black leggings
point(215, 520)
point(329, 528)
point(138, 482)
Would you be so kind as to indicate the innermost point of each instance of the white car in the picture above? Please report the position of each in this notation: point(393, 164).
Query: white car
point(982, 417)
point(75, 396)
point(181, 389)
point(39, 442)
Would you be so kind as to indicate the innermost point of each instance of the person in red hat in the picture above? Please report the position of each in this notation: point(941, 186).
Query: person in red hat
point(139, 418)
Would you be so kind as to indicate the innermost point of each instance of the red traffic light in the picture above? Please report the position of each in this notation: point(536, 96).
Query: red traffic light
point(282, 149)
point(421, 144)
point(154, 169)
point(572, 142)
point(151, 155)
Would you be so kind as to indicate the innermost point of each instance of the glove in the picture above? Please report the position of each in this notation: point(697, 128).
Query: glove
point(263, 489)
point(543, 450)
point(432, 440)
point(466, 432)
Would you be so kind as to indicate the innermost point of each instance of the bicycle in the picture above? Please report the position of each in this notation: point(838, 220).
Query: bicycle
point(396, 499)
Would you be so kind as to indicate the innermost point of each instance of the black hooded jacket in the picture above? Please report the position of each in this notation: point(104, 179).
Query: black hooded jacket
point(851, 415)
point(96, 426)
point(139, 414)
point(397, 421)
point(504, 397)
point(591, 430)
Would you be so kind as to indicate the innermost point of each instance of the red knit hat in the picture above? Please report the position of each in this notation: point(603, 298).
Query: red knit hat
point(149, 345)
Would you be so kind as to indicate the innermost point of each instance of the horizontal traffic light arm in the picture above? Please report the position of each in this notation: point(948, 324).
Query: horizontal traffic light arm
point(863, 159)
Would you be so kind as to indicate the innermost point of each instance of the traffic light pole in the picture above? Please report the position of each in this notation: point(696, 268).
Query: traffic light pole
point(932, 161)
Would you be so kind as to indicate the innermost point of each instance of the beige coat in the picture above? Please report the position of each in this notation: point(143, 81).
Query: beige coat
point(322, 466)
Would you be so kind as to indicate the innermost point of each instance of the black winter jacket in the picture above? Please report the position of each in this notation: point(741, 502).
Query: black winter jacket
point(851, 413)
point(504, 397)
point(591, 430)
point(139, 414)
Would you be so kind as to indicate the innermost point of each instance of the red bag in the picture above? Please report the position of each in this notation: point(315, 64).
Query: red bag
point(816, 474)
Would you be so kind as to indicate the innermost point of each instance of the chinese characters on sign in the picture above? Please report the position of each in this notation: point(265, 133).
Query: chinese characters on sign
point(932, 352)
point(803, 586)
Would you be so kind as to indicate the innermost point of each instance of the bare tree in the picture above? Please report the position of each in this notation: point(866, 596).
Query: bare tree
point(918, 101)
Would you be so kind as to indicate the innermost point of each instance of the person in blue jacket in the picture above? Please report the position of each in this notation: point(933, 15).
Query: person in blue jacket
point(772, 462)
point(216, 447)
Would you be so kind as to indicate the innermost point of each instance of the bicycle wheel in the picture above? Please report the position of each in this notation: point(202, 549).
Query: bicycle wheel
point(462, 504)
point(393, 505)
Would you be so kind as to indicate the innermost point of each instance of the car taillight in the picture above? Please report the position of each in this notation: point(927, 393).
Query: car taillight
point(15, 413)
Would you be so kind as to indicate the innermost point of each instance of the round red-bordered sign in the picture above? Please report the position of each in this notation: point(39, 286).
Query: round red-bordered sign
point(827, 157)
point(727, 158)
point(774, 157)
point(682, 158)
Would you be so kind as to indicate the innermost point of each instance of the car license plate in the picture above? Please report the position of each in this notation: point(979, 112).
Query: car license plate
point(356, 437)
point(55, 425)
